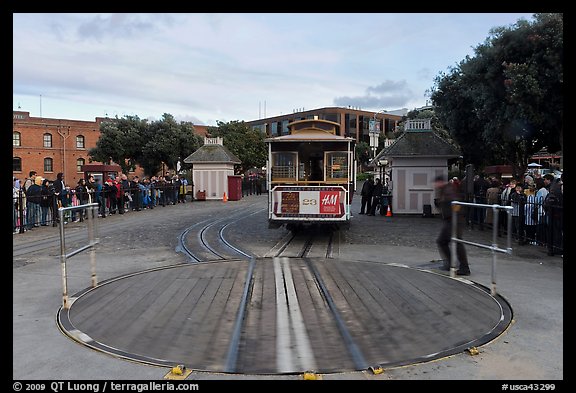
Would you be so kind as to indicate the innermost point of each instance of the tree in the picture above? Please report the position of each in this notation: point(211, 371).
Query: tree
point(245, 142)
point(506, 103)
point(168, 142)
point(363, 153)
point(120, 141)
point(130, 141)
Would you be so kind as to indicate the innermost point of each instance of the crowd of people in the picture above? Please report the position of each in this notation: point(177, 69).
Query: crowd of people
point(537, 208)
point(375, 195)
point(36, 199)
point(537, 201)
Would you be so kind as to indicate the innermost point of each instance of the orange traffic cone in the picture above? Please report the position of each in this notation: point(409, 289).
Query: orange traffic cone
point(224, 198)
point(389, 212)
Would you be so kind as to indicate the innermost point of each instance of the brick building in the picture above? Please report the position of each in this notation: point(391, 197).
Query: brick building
point(49, 146)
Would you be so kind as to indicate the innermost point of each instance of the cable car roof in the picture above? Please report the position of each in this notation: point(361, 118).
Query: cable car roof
point(311, 130)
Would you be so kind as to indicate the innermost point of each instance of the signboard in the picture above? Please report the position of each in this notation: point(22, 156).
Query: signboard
point(329, 202)
point(309, 202)
point(290, 203)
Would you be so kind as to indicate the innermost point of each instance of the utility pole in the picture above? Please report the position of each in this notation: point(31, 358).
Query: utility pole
point(64, 136)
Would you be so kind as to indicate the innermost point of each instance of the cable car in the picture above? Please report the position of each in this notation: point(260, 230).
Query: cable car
point(310, 173)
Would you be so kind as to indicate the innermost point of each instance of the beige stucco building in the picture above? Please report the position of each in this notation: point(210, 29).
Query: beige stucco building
point(212, 164)
point(413, 160)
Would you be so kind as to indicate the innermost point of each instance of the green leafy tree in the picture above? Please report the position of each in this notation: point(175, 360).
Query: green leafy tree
point(362, 152)
point(506, 103)
point(245, 142)
point(168, 142)
point(130, 141)
point(120, 141)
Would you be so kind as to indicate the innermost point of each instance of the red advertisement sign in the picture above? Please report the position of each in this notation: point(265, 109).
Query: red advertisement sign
point(329, 202)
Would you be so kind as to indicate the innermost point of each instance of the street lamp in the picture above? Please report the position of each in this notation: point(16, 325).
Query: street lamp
point(382, 164)
point(374, 132)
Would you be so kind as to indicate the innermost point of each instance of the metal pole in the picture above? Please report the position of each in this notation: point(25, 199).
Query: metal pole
point(91, 239)
point(65, 303)
point(453, 242)
point(21, 210)
point(509, 230)
point(494, 244)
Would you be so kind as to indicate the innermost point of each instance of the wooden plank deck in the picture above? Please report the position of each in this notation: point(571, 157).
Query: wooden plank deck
point(185, 314)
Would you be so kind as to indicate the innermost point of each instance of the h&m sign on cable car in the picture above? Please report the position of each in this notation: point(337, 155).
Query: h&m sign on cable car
point(308, 202)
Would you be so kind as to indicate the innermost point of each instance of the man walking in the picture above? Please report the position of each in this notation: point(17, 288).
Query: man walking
point(446, 193)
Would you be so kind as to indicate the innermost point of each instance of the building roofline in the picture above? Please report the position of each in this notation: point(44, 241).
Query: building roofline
point(326, 108)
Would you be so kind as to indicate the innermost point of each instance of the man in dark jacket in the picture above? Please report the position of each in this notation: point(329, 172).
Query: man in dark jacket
point(446, 193)
point(82, 197)
point(366, 194)
point(136, 194)
point(46, 202)
point(124, 192)
point(376, 195)
point(111, 192)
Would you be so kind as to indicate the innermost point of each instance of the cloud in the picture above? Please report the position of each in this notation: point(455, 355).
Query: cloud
point(120, 25)
point(387, 86)
point(388, 94)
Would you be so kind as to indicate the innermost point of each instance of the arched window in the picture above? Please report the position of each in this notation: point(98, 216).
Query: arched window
point(79, 163)
point(16, 141)
point(47, 140)
point(48, 164)
point(16, 164)
point(80, 142)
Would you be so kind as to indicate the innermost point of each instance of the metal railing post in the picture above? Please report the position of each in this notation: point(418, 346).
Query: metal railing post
point(92, 241)
point(453, 243)
point(21, 210)
point(509, 231)
point(493, 247)
point(65, 302)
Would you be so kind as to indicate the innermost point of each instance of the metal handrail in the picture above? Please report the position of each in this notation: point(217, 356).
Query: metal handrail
point(93, 239)
point(493, 247)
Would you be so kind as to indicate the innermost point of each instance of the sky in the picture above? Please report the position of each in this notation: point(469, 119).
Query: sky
point(224, 67)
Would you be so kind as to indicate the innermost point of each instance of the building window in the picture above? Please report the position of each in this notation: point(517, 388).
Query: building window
point(16, 164)
point(274, 129)
point(285, 130)
point(332, 117)
point(16, 138)
point(47, 140)
point(80, 142)
point(352, 123)
point(79, 163)
point(389, 125)
point(365, 123)
point(48, 165)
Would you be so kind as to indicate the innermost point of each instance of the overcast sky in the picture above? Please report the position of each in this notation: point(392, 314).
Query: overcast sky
point(209, 67)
